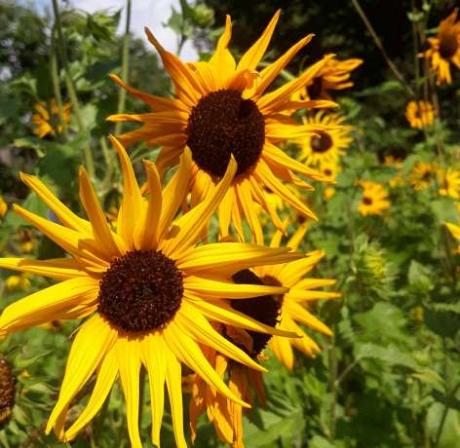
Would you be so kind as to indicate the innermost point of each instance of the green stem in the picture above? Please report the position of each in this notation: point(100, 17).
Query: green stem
point(57, 89)
point(124, 66)
point(444, 416)
point(332, 388)
point(71, 88)
point(379, 45)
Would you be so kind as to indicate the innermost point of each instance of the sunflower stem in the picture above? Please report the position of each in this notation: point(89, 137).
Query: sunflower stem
point(379, 45)
point(56, 88)
point(124, 66)
point(61, 45)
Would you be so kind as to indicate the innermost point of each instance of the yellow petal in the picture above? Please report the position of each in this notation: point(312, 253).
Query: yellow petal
point(96, 215)
point(224, 313)
point(216, 289)
point(105, 378)
point(92, 342)
point(58, 269)
point(48, 304)
point(64, 214)
point(247, 204)
point(132, 201)
point(192, 223)
point(174, 192)
point(153, 355)
point(269, 73)
point(192, 322)
point(232, 257)
point(253, 56)
point(174, 385)
point(129, 365)
point(188, 351)
point(300, 314)
point(149, 234)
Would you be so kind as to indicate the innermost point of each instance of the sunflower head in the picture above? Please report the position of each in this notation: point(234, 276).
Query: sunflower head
point(420, 114)
point(223, 108)
point(147, 292)
point(47, 118)
point(7, 392)
point(449, 182)
point(374, 199)
point(444, 48)
point(328, 141)
point(422, 175)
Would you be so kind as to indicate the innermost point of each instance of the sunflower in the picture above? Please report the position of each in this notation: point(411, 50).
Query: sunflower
point(422, 175)
point(326, 145)
point(449, 182)
point(329, 170)
point(46, 118)
point(454, 230)
point(335, 75)
point(420, 114)
point(222, 108)
point(3, 207)
point(374, 200)
point(286, 311)
point(146, 292)
point(445, 48)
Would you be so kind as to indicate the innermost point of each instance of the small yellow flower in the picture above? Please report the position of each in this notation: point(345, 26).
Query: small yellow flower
point(374, 200)
point(422, 175)
point(329, 141)
point(449, 182)
point(393, 161)
point(420, 114)
point(3, 207)
point(46, 118)
point(454, 230)
point(17, 283)
point(445, 48)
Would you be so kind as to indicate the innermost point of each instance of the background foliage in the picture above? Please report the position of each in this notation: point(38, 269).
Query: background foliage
point(390, 376)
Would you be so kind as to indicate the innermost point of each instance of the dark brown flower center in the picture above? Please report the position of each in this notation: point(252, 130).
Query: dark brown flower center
point(141, 291)
point(448, 45)
point(7, 392)
point(367, 200)
point(222, 124)
point(265, 309)
point(321, 142)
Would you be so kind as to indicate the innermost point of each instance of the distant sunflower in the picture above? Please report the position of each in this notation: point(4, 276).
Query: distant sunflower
point(329, 142)
point(335, 75)
point(286, 311)
point(146, 291)
point(445, 48)
point(329, 170)
point(454, 230)
point(222, 108)
point(420, 114)
point(3, 207)
point(46, 118)
point(422, 175)
point(374, 200)
point(449, 182)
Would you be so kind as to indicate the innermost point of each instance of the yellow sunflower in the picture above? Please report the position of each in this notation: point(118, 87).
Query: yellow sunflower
point(46, 118)
point(422, 175)
point(449, 182)
point(326, 145)
point(445, 48)
point(454, 230)
point(146, 291)
point(335, 75)
point(286, 311)
point(222, 108)
point(374, 200)
point(420, 114)
point(3, 207)
point(329, 170)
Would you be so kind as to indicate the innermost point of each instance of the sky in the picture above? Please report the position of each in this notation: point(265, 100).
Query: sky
point(151, 13)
